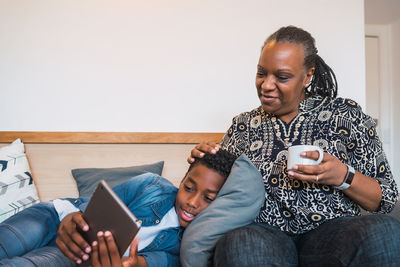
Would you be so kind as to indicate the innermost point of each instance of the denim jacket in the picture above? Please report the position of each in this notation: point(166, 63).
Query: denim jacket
point(150, 197)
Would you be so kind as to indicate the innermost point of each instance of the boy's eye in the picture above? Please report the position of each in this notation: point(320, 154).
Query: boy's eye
point(283, 78)
point(209, 199)
point(187, 188)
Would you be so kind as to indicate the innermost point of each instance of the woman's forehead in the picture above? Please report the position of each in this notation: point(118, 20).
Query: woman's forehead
point(274, 47)
point(282, 54)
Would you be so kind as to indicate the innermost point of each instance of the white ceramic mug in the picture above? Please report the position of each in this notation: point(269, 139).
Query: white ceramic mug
point(294, 157)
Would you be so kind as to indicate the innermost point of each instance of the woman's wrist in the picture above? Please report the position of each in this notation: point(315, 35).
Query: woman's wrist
point(348, 179)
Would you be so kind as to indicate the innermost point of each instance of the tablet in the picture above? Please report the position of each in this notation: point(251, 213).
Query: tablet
point(106, 211)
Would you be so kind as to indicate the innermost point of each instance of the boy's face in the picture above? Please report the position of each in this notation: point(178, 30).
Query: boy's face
point(197, 190)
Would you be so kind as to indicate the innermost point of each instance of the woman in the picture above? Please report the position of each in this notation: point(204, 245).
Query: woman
point(310, 215)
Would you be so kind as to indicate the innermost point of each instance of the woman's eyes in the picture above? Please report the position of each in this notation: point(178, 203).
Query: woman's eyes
point(283, 79)
point(280, 78)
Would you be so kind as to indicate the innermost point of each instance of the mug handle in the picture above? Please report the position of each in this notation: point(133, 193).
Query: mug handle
point(321, 155)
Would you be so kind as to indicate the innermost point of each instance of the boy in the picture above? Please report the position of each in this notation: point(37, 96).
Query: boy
point(163, 209)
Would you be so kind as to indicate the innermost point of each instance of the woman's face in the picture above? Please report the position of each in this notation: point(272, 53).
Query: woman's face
point(281, 79)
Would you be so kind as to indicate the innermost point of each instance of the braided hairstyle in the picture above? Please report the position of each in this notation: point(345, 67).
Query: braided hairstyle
point(221, 162)
point(324, 79)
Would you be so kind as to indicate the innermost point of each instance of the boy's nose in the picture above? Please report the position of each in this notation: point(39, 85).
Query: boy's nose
point(193, 201)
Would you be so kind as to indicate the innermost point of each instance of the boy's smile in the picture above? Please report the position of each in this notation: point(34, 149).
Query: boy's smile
point(197, 190)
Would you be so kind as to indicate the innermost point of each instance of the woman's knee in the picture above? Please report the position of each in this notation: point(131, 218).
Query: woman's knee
point(379, 242)
point(371, 240)
point(255, 245)
point(382, 228)
point(241, 237)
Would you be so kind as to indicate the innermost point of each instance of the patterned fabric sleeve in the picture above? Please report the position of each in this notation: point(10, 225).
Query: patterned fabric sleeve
point(236, 138)
point(368, 157)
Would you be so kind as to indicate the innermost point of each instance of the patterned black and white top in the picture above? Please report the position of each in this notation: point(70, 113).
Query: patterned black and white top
point(340, 128)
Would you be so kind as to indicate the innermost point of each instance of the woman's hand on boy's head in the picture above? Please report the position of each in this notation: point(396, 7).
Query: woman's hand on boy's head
point(199, 150)
point(70, 241)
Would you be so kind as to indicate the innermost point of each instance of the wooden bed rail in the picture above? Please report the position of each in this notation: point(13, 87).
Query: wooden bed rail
point(108, 137)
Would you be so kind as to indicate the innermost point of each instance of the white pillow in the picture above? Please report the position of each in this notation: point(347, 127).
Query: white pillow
point(17, 190)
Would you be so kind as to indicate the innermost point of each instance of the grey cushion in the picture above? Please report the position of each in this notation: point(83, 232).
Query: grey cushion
point(88, 178)
point(237, 204)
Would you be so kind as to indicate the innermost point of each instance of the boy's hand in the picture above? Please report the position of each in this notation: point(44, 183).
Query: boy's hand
point(204, 147)
point(105, 253)
point(134, 259)
point(70, 241)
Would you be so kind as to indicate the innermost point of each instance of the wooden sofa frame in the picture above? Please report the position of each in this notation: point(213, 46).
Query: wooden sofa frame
point(52, 155)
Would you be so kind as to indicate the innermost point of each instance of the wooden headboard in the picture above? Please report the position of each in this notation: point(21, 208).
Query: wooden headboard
point(52, 155)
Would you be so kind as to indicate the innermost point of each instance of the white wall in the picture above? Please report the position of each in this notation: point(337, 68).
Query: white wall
point(181, 66)
point(395, 44)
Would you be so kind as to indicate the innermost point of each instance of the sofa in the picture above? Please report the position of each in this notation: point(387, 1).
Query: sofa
point(58, 162)
point(52, 155)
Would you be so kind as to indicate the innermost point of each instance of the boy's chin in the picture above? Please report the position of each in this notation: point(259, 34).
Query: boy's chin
point(184, 224)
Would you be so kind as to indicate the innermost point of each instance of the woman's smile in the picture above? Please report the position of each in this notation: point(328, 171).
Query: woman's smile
point(268, 100)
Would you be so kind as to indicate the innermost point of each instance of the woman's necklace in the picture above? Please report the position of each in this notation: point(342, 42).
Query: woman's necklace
point(288, 137)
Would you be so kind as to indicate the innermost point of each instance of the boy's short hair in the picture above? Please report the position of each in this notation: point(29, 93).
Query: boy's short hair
point(221, 162)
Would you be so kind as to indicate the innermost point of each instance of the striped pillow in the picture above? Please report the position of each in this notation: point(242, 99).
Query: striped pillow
point(17, 190)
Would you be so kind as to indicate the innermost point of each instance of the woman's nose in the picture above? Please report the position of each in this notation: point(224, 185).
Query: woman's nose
point(268, 83)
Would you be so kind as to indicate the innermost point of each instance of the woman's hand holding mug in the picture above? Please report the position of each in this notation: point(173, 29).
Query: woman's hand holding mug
point(309, 163)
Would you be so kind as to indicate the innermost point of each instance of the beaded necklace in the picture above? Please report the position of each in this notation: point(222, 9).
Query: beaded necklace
point(277, 124)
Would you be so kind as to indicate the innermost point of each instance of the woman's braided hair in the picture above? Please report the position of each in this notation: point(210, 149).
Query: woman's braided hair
point(324, 79)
